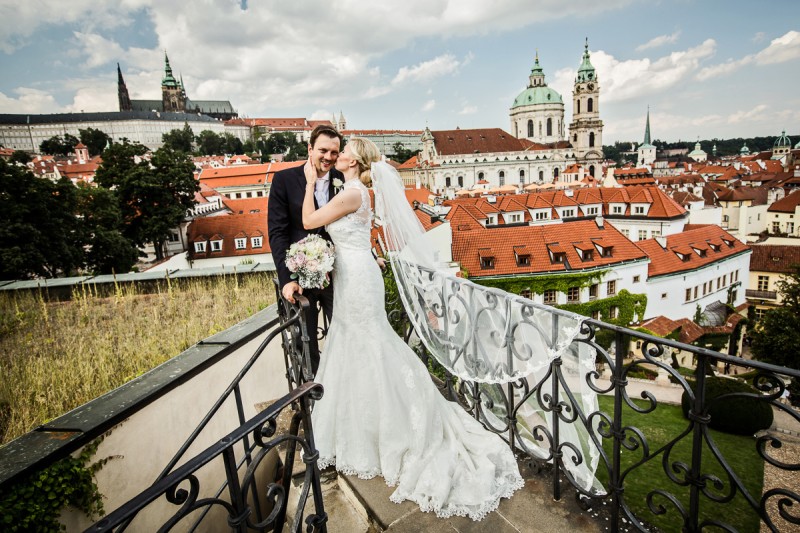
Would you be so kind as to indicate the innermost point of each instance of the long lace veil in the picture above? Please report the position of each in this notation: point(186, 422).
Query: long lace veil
point(486, 335)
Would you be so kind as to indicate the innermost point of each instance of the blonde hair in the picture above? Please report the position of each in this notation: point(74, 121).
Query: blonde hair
point(365, 152)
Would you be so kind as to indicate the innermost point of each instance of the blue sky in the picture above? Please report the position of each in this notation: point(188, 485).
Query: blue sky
point(706, 68)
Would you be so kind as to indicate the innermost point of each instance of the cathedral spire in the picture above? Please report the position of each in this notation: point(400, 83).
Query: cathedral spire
point(169, 79)
point(647, 128)
point(586, 71)
point(122, 92)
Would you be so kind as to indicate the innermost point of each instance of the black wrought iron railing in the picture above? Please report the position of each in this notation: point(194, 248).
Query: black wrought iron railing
point(661, 467)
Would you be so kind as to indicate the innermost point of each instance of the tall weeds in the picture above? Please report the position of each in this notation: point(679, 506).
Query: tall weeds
point(55, 356)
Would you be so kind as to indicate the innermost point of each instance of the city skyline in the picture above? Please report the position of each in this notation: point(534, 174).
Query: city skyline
point(706, 69)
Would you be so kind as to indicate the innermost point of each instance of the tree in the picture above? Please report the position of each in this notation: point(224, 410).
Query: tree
point(179, 140)
point(209, 143)
point(233, 144)
point(58, 145)
point(40, 236)
point(298, 152)
point(401, 153)
point(107, 250)
point(21, 157)
point(95, 140)
point(153, 196)
point(777, 336)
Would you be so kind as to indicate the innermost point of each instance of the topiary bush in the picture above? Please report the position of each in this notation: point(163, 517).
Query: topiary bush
point(738, 415)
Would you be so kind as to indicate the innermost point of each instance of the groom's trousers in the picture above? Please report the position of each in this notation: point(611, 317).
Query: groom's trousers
point(317, 298)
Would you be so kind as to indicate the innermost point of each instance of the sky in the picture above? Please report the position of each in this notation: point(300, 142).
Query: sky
point(706, 68)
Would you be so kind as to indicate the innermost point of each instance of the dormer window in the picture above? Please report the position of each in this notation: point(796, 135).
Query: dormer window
point(714, 246)
point(729, 242)
point(567, 213)
point(522, 256)
point(700, 251)
point(542, 215)
point(638, 210)
point(617, 209)
point(200, 246)
point(216, 246)
point(256, 242)
point(585, 251)
point(240, 243)
point(487, 258)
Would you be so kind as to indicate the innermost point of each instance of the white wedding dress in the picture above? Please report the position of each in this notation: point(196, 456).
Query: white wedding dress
point(381, 414)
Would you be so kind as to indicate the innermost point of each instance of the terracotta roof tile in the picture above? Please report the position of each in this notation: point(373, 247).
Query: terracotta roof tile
point(777, 258)
point(666, 261)
point(228, 227)
point(488, 140)
point(787, 204)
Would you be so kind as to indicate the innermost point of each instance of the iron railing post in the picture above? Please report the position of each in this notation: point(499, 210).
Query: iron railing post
point(615, 485)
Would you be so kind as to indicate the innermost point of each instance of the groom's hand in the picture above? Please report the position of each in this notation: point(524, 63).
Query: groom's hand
point(289, 289)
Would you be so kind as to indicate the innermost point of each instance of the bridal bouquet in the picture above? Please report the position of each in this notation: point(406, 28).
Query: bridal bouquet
point(310, 260)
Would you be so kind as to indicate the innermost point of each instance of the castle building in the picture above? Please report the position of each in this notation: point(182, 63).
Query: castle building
point(173, 98)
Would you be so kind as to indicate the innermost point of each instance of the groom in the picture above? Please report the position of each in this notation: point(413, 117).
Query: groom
point(285, 221)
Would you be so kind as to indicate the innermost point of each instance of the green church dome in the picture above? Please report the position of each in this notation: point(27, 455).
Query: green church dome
point(537, 95)
point(783, 141)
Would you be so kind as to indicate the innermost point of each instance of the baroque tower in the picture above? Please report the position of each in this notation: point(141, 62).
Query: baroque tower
point(172, 96)
point(122, 92)
point(586, 129)
point(537, 113)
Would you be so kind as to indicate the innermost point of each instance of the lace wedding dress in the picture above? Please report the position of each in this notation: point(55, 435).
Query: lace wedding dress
point(381, 414)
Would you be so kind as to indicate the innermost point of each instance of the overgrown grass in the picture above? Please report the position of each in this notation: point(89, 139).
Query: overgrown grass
point(663, 425)
point(55, 356)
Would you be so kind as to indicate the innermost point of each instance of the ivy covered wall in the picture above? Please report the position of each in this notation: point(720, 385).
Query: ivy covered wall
point(538, 284)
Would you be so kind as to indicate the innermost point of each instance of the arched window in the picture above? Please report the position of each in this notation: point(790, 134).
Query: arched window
point(590, 105)
point(579, 107)
point(447, 182)
point(540, 128)
point(480, 176)
point(541, 175)
point(461, 181)
point(555, 173)
point(574, 137)
point(501, 177)
point(591, 138)
point(549, 127)
point(591, 170)
point(522, 176)
point(530, 128)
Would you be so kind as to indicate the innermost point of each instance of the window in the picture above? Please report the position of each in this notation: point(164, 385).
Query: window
point(613, 312)
point(705, 289)
point(522, 176)
point(695, 292)
point(636, 279)
point(530, 128)
point(542, 215)
point(776, 227)
point(736, 274)
point(591, 210)
point(760, 312)
point(763, 283)
point(461, 181)
point(550, 296)
point(555, 173)
point(487, 262)
point(724, 280)
point(523, 260)
point(579, 107)
point(626, 232)
point(516, 218)
point(260, 194)
point(200, 246)
point(216, 246)
point(590, 105)
point(540, 128)
point(549, 127)
point(525, 293)
point(617, 209)
point(591, 170)
point(790, 227)
point(611, 288)
point(655, 233)
point(663, 295)
point(638, 210)
point(249, 194)
point(568, 213)
point(688, 294)
point(501, 178)
point(642, 234)
point(447, 182)
point(255, 242)
point(173, 237)
point(596, 314)
point(240, 243)
point(559, 257)
point(593, 291)
point(591, 139)
point(541, 175)
point(573, 295)
point(480, 176)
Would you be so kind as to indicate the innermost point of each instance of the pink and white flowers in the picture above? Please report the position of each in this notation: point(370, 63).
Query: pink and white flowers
point(310, 260)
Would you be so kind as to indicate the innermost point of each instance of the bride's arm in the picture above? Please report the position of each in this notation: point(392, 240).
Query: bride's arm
point(340, 205)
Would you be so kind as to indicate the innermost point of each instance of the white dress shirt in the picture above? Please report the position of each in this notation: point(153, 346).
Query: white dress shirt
point(321, 189)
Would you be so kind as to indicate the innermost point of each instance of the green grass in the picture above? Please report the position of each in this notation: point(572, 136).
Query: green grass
point(55, 356)
point(661, 426)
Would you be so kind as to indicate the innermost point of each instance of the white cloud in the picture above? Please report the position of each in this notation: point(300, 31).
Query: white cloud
point(784, 48)
point(322, 114)
point(758, 37)
point(468, 110)
point(97, 49)
point(661, 40)
point(99, 98)
point(748, 115)
point(625, 80)
point(429, 105)
point(439, 66)
point(28, 101)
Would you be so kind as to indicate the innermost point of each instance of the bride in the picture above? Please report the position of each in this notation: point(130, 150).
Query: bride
point(381, 414)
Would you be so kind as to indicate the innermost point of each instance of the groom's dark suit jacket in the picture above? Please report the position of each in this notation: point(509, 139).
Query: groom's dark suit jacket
point(285, 214)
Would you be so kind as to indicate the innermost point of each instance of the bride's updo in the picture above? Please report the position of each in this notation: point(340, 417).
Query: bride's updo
point(365, 153)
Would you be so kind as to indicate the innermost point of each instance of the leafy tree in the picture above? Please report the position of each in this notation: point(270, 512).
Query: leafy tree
point(95, 140)
point(40, 236)
point(20, 156)
point(248, 147)
point(401, 153)
point(209, 143)
point(279, 143)
point(298, 152)
point(58, 145)
point(179, 140)
point(107, 250)
point(153, 196)
point(777, 336)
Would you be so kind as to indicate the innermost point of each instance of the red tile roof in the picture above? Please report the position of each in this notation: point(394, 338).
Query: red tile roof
point(777, 258)
point(488, 140)
point(787, 204)
point(660, 325)
point(411, 163)
point(229, 227)
point(246, 205)
point(243, 174)
point(666, 261)
point(380, 132)
point(469, 238)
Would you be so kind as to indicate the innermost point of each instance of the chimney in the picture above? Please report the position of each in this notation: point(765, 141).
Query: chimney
point(600, 222)
point(662, 241)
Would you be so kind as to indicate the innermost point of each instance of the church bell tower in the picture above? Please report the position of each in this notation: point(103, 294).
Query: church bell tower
point(586, 129)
